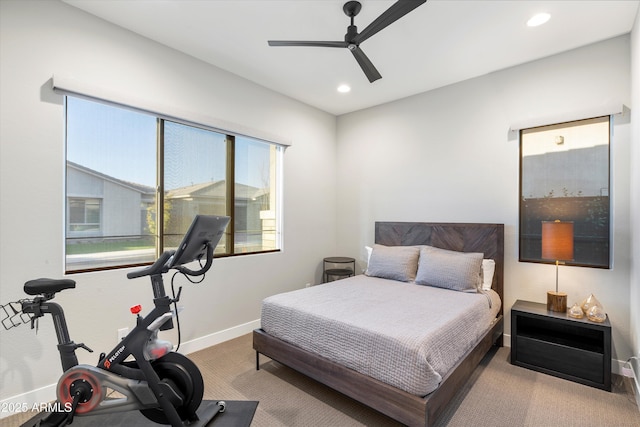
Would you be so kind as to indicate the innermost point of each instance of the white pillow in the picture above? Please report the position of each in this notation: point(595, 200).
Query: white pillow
point(368, 249)
point(488, 270)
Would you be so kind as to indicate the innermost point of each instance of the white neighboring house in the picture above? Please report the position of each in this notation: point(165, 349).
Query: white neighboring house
point(104, 209)
point(100, 205)
point(254, 228)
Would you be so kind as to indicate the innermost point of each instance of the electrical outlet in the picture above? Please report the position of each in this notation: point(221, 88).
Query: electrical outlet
point(122, 332)
point(307, 285)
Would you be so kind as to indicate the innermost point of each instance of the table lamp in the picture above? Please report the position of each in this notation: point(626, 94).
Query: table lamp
point(557, 245)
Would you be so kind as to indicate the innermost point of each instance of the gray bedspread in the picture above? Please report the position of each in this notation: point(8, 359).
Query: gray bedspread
point(403, 334)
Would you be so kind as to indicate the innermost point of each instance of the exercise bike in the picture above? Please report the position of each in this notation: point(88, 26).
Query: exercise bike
point(165, 386)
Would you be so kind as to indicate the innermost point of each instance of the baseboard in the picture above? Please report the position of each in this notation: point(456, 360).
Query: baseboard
point(636, 391)
point(635, 368)
point(33, 399)
point(218, 337)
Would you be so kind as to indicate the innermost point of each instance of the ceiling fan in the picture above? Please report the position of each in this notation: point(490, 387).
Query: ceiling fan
point(353, 39)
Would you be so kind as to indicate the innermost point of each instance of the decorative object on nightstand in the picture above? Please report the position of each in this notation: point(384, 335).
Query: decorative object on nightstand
point(557, 245)
point(593, 309)
point(576, 311)
point(589, 302)
point(596, 314)
point(338, 266)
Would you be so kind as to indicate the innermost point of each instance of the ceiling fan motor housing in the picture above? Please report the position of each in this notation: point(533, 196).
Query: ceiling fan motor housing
point(352, 32)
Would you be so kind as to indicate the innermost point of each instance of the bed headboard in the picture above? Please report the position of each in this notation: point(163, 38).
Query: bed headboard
point(462, 237)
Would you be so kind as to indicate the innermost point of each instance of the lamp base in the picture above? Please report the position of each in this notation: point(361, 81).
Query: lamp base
point(556, 301)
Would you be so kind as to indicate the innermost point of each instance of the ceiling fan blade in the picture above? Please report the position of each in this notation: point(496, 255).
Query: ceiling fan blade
point(366, 65)
point(306, 43)
point(388, 17)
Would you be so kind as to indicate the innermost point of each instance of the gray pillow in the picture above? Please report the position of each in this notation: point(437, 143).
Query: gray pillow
point(459, 271)
point(393, 262)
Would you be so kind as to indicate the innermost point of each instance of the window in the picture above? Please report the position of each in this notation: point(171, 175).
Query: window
point(123, 165)
point(564, 175)
point(195, 170)
point(255, 204)
point(84, 215)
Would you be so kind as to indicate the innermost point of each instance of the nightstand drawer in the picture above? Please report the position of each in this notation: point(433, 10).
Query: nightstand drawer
point(560, 359)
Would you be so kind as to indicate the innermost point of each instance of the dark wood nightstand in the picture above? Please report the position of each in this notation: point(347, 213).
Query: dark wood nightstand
point(554, 343)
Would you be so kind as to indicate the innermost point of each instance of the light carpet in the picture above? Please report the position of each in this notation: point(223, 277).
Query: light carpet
point(497, 394)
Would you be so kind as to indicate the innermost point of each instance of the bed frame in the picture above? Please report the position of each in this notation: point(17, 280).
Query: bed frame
point(404, 407)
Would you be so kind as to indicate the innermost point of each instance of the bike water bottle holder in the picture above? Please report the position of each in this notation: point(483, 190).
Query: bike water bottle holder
point(13, 316)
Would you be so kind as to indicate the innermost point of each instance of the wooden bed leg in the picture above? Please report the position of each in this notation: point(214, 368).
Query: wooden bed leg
point(257, 361)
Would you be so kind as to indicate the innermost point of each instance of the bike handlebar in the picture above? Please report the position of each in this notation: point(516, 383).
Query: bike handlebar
point(158, 267)
point(163, 264)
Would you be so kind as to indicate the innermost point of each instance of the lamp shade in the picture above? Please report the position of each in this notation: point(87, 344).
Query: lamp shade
point(557, 240)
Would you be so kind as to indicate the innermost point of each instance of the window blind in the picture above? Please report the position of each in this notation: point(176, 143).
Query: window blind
point(73, 87)
point(606, 109)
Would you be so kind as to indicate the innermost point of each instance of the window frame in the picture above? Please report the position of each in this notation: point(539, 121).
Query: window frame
point(230, 177)
point(522, 227)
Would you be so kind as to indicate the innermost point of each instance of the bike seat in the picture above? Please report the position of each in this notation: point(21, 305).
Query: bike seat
point(48, 286)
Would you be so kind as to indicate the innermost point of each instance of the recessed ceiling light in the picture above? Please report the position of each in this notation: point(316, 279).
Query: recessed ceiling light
point(538, 19)
point(344, 88)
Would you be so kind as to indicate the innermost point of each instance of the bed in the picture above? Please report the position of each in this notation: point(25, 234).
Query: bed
point(415, 404)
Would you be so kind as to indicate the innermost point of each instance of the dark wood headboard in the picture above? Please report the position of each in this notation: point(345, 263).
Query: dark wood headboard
point(462, 237)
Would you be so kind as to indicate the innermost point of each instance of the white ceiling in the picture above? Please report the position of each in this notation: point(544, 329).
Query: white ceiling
point(439, 43)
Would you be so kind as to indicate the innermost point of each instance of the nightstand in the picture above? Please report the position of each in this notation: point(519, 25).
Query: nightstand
point(554, 343)
point(338, 266)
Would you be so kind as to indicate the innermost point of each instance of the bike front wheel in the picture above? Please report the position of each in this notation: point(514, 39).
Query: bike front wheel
point(186, 380)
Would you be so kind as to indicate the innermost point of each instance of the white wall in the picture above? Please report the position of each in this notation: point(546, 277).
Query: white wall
point(445, 155)
point(41, 38)
point(448, 155)
point(635, 193)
